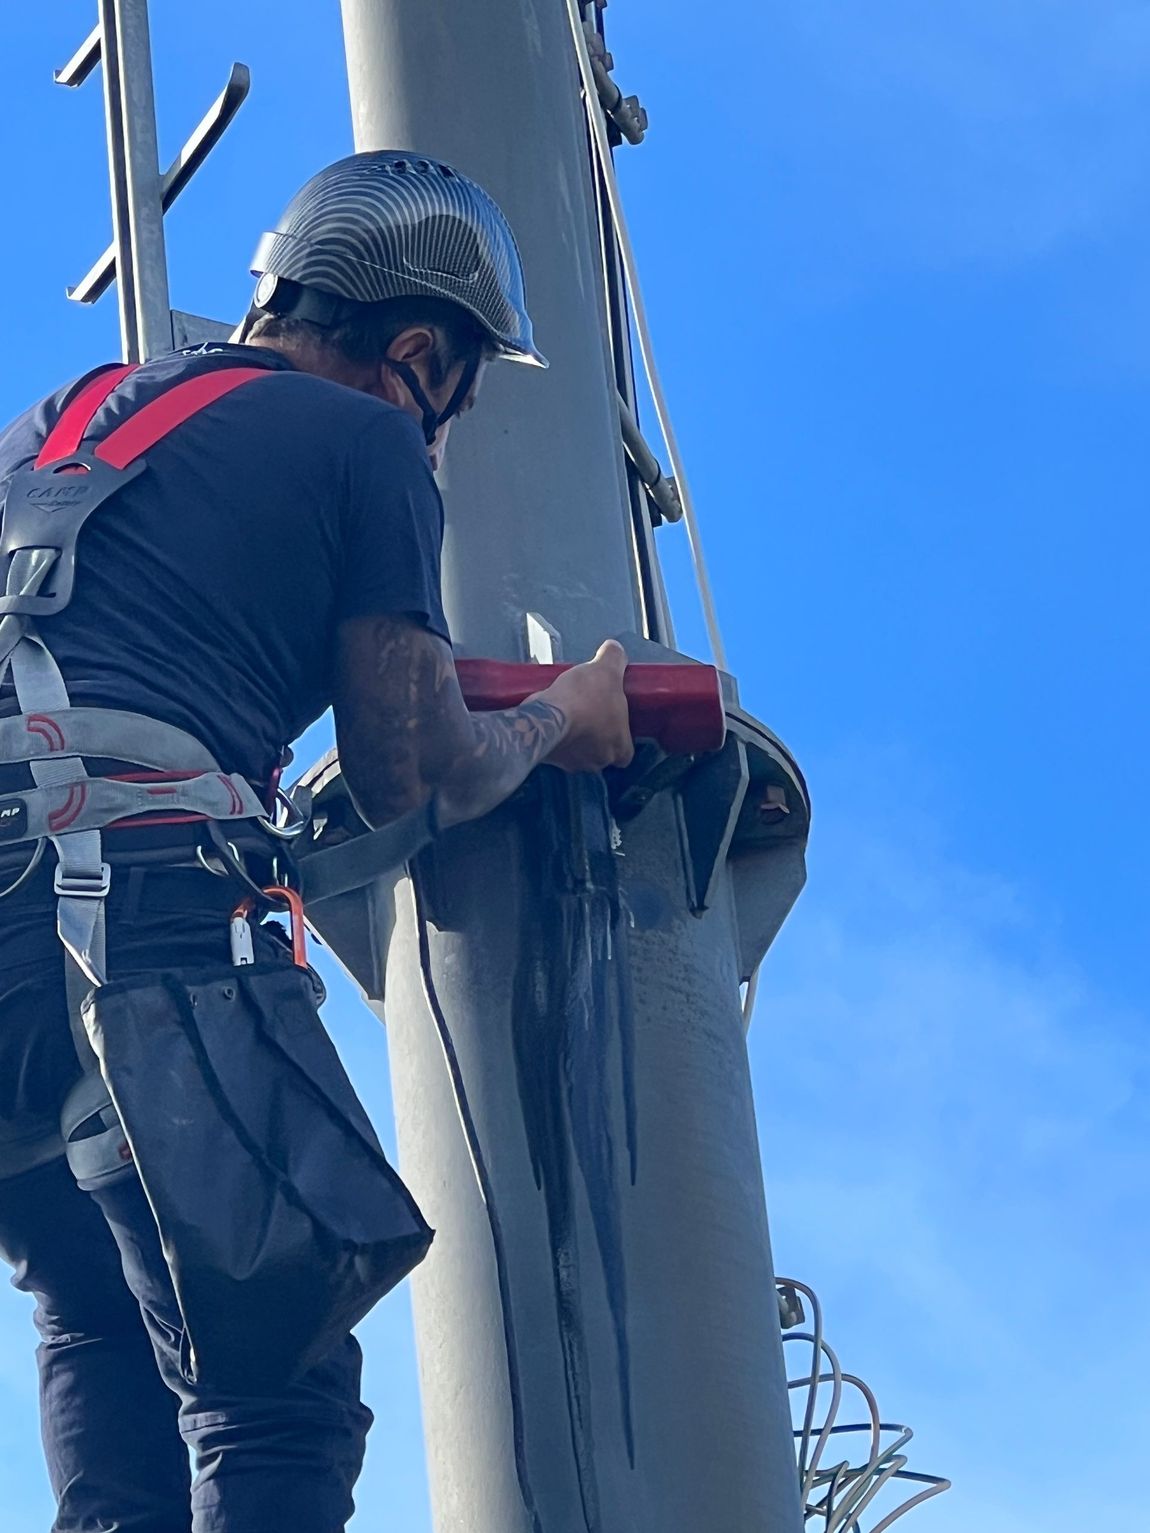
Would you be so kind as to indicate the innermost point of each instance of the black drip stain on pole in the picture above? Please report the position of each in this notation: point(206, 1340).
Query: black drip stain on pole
point(573, 1037)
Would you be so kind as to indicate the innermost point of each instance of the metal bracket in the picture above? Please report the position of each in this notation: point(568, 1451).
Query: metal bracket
point(194, 330)
point(626, 114)
point(211, 128)
point(767, 852)
point(791, 1312)
point(712, 798)
point(544, 643)
point(662, 493)
point(140, 195)
point(744, 809)
point(83, 61)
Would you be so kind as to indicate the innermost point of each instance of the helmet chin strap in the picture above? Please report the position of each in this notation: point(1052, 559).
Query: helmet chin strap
point(433, 419)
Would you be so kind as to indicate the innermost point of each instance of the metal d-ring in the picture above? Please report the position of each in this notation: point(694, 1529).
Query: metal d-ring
point(232, 860)
point(297, 822)
point(219, 871)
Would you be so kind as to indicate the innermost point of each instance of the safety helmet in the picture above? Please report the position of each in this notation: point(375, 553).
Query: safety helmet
point(387, 224)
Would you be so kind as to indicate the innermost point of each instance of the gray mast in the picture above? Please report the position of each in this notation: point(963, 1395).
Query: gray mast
point(591, 985)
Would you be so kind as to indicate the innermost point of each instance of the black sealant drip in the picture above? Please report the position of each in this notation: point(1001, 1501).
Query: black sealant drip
point(573, 1042)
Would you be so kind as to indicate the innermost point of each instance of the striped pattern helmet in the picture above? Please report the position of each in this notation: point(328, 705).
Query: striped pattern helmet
point(386, 224)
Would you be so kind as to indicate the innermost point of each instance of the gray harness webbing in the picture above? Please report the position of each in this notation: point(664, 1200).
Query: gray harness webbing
point(45, 508)
point(103, 732)
point(78, 802)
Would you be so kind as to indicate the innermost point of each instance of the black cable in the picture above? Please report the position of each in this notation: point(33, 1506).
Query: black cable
point(483, 1179)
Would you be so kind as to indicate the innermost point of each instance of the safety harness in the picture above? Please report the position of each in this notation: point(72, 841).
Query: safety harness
point(177, 780)
point(218, 1076)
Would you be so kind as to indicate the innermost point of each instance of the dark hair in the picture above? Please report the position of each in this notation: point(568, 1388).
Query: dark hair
point(366, 337)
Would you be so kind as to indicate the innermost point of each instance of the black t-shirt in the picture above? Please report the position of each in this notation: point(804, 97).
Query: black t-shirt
point(208, 589)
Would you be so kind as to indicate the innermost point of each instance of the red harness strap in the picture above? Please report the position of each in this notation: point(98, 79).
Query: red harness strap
point(66, 435)
point(130, 440)
point(149, 425)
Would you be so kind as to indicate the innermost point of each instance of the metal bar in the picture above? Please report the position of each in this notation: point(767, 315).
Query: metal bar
point(207, 134)
point(83, 61)
point(138, 220)
point(118, 180)
point(663, 491)
point(97, 280)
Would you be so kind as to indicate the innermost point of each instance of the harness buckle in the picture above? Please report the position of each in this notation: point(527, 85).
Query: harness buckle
point(83, 886)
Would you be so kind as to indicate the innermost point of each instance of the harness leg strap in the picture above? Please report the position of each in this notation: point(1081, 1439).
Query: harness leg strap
point(82, 874)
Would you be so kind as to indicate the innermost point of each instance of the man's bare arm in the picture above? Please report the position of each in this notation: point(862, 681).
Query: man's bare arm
point(405, 734)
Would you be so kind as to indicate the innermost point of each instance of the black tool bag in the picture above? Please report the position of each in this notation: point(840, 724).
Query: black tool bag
point(281, 1220)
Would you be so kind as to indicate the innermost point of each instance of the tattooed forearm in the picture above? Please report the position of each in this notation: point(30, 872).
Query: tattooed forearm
point(405, 733)
point(529, 730)
point(507, 746)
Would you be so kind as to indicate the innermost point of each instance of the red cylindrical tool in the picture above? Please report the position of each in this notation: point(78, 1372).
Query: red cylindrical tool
point(680, 707)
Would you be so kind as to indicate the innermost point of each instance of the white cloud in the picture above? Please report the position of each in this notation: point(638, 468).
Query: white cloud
point(979, 131)
point(957, 1157)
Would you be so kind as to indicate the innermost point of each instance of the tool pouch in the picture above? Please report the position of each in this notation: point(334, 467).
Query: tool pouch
point(282, 1222)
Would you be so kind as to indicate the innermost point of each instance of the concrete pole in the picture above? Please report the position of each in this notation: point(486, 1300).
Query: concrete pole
point(597, 1021)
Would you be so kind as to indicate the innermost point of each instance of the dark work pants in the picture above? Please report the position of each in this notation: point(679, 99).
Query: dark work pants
point(117, 1418)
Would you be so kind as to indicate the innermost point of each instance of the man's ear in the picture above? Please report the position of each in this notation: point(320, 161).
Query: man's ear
point(415, 344)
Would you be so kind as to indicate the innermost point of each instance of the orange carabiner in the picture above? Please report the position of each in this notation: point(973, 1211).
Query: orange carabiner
point(292, 899)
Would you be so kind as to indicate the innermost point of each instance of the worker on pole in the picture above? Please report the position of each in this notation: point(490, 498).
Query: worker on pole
point(199, 556)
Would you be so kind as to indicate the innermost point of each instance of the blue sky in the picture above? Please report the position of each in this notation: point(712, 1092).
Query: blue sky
point(895, 259)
